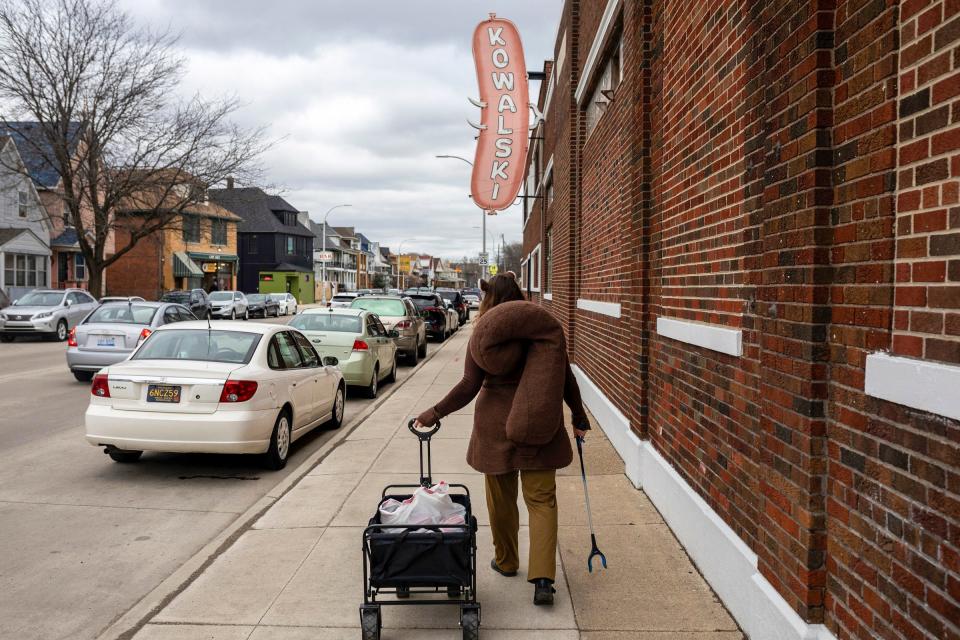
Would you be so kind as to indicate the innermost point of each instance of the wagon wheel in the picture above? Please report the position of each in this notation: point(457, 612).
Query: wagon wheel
point(470, 623)
point(370, 623)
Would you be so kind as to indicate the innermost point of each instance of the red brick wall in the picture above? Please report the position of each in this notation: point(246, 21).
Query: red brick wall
point(790, 169)
point(137, 272)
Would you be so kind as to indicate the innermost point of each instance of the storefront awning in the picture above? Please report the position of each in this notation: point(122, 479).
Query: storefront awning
point(214, 257)
point(184, 267)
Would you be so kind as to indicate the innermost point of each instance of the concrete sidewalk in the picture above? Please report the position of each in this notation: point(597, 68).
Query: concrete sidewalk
point(297, 573)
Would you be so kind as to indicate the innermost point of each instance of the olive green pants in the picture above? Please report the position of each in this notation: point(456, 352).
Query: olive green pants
point(540, 495)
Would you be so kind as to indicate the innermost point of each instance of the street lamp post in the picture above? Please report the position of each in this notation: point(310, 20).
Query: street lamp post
point(323, 263)
point(483, 213)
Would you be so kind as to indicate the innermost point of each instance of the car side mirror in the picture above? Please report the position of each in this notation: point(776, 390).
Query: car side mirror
point(67, 303)
point(330, 361)
point(393, 333)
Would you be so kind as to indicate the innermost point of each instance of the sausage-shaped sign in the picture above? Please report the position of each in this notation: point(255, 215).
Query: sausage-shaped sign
point(501, 156)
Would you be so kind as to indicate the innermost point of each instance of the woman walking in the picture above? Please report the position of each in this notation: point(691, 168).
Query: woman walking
point(517, 362)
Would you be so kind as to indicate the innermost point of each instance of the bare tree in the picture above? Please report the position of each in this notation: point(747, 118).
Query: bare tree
point(512, 257)
point(101, 91)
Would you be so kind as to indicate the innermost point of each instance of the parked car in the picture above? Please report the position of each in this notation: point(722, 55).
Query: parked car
point(287, 303)
point(342, 300)
point(472, 301)
point(195, 299)
point(399, 314)
point(262, 305)
point(366, 351)
point(46, 312)
point(232, 388)
point(473, 291)
point(393, 292)
point(456, 298)
point(5, 300)
point(453, 318)
point(106, 299)
point(229, 305)
point(434, 312)
point(113, 330)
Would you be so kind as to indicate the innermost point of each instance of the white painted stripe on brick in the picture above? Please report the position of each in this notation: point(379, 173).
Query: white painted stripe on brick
point(709, 336)
point(548, 296)
point(589, 67)
point(611, 309)
point(921, 384)
point(725, 560)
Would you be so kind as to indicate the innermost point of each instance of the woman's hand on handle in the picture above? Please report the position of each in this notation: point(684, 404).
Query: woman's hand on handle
point(426, 419)
point(579, 433)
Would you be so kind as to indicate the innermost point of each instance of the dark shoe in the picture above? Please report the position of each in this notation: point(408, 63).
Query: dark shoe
point(496, 567)
point(543, 592)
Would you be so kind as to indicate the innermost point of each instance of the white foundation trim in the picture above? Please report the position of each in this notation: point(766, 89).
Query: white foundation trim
point(709, 336)
point(724, 559)
point(548, 296)
point(921, 384)
point(589, 67)
point(611, 309)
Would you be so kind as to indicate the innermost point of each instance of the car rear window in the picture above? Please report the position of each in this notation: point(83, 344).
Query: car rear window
point(344, 298)
point(424, 301)
point(448, 295)
point(207, 345)
point(256, 297)
point(381, 306)
point(327, 322)
point(122, 313)
point(175, 296)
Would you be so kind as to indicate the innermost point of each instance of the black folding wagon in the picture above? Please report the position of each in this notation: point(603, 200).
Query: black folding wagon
point(418, 564)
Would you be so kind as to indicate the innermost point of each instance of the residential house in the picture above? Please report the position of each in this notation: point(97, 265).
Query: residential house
point(340, 272)
point(198, 250)
point(381, 266)
point(275, 249)
point(68, 264)
point(24, 228)
point(351, 244)
point(369, 257)
point(445, 275)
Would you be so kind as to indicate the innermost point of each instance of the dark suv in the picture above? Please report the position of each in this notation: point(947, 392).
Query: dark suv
point(459, 303)
point(434, 313)
point(195, 299)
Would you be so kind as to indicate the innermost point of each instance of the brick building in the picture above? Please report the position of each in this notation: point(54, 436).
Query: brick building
point(747, 220)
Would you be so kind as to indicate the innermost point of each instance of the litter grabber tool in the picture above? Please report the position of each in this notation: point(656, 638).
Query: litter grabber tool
point(594, 551)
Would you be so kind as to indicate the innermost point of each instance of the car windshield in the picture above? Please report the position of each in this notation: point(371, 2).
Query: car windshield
point(220, 296)
point(327, 322)
point(381, 306)
point(274, 296)
point(175, 296)
point(207, 345)
point(40, 299)
point(423, 302)
point(123, 313)
point(256, 297)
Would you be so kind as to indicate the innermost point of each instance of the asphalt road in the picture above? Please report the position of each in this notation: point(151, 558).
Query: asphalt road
point(82, 538)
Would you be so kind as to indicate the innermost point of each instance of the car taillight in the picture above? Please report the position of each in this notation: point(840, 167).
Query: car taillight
point(238, 390)
point(100, 386)
point(72, 338)
point(433, 309)
point(403, 324)
point(360, 345)
point(145, 333)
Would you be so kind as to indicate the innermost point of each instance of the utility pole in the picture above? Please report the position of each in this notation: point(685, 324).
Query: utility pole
point(483, 214)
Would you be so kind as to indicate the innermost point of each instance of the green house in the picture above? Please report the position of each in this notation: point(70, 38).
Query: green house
point(289, 278)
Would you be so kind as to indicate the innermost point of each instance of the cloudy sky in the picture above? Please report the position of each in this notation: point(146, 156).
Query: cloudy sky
point(361, 94)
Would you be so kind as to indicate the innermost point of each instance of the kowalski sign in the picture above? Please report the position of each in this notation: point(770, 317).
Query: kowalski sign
point(501, 156)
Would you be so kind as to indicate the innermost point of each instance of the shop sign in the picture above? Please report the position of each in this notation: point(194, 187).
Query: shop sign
point(502, 143)
point(323, 256)
point(266, 277)
point(208, 267)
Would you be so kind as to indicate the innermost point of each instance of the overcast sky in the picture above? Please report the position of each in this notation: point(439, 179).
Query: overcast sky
point(362, 94)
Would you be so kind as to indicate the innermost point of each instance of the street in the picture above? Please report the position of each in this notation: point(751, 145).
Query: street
point(83, 538)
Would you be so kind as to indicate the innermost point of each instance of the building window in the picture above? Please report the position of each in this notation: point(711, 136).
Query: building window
point(290, 241)
point(525, 273)
point(534, 268)
point(218, 231)
point(548, 261)
point(606, 86)
point(548, 193)
point(191, 228)
point(22, 204)
point(79, 267)
point(252, 245)
point(63, 268)
point(22, 270)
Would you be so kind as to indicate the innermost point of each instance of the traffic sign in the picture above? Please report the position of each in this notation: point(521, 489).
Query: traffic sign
point(492, 269)
point(484, 259)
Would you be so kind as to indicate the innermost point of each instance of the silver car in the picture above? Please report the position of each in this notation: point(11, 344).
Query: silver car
point(111, 333)
point(399, 314)
point(46, 312)
point(342, 300)
point(229, 305)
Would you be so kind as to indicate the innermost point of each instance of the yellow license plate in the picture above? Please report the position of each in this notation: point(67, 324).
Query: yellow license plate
point(163, 393)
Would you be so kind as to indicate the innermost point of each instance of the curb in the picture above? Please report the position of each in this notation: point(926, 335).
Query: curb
point(127, 624)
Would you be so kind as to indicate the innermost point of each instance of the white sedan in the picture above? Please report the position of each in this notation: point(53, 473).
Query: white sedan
point(222, 388)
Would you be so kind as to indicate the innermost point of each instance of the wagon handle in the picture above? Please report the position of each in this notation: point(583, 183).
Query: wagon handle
point(426, 479)
point(421, 434)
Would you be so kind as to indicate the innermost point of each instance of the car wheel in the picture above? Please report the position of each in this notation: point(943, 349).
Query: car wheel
point(392, 376)
point(246, 315)
point(82, 376)
point(371, 390)
point(6, 338)
point(124, 456)
point(62, 331)
point(413, 356)
point(339, 402)
point(422, 348)
point(276, 456)
point(233, 315)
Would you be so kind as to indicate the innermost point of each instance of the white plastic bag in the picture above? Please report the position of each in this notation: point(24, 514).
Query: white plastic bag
point(425, 506)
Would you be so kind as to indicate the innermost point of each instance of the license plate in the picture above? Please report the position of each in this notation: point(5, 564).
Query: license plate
point(163, 393)
point(106, 342)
